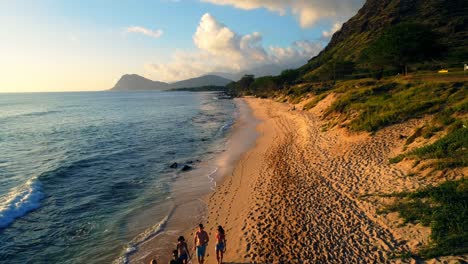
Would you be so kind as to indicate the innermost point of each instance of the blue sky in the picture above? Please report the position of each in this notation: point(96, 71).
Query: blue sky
point(53, 45)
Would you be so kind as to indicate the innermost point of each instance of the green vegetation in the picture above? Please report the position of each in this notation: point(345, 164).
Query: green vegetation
point(314, 101)
point(445, 20)
point(443, 208)
point(207, 88)
point(385, 103)
point(449, 151)
point(401, 45)
point(371, 104)
point(266, 86)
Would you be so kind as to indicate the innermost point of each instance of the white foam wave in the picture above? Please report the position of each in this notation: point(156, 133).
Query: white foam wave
point(149, 233)
point(20, 201)
point(225, 127)
point(212, 180)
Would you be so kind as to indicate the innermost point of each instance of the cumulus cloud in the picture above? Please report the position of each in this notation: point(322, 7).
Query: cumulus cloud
point(148, 32)
point(327, 34)
point(220, 49)
point(308, 12)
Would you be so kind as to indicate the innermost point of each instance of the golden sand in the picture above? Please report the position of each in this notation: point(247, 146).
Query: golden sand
point(305, 195)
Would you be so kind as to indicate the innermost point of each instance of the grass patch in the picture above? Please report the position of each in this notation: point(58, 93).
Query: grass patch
point(450, 151)
point(443, 208)
point(314, 101)
point(430, 131)
point(453, 148)
point(391, 102)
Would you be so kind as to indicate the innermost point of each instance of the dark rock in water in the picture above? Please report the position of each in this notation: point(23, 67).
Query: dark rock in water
point(189, 162)
point(186, 168)
point(174, 165)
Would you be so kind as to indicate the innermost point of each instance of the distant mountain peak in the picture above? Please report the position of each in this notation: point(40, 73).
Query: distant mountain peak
point(204, 80)
point(135, 82)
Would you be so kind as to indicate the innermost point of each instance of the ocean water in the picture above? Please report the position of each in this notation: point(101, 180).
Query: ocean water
point(77, 170)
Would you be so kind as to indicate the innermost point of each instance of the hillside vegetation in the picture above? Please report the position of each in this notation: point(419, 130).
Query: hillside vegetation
point(381, 69)
point(444, 209)
point(448, 19)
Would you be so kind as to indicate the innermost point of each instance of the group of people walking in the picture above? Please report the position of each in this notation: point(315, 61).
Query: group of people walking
point(182, 255)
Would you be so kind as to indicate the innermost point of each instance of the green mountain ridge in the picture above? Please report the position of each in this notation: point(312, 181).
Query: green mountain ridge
point(447, 18)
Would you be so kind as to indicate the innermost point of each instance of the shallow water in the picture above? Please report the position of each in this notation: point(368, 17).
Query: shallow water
point(84, 176)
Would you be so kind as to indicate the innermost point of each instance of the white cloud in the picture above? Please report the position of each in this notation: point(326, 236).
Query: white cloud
point(308, 12)
point(148, 32)
point(328, 34)
point(220, 49)
point(295, 55)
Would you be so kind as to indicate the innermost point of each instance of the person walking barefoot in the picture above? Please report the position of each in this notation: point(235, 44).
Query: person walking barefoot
point(201, 241)
point(182, 248)
point(220, 244)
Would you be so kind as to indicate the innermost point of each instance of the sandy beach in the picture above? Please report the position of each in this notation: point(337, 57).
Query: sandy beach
point(290, 190)
point(306, 194)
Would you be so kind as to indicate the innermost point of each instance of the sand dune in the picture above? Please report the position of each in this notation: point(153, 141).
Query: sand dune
point(302, 195)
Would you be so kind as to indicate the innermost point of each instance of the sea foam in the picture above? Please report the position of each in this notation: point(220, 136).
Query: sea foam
point(20, 201)
point(151, 232)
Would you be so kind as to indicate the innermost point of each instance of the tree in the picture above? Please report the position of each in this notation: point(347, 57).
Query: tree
point(241, 87)
point(403, 44)
point(264, 86)
point(289, 76)
point(246, 81)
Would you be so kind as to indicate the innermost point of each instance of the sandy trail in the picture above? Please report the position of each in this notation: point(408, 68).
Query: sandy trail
point(299, 196)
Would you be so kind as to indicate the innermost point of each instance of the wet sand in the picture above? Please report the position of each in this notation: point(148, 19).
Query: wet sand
point(187, 205)
point(304, 194)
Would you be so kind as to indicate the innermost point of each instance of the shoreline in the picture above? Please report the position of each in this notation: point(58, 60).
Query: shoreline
point(189, 206)
point(297, 195)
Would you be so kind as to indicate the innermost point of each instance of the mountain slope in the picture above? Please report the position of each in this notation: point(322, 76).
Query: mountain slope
point(134, 82)
point(205, 80)
point(449, 18)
